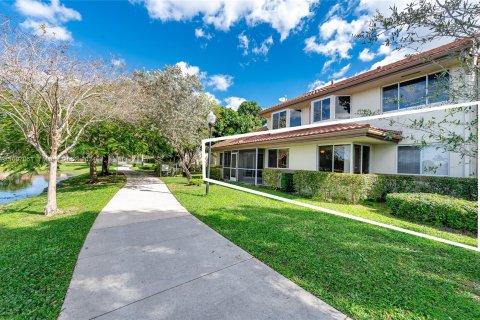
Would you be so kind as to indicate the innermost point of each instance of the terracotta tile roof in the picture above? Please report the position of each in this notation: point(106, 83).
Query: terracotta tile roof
point(318, 131)
point(375, 73)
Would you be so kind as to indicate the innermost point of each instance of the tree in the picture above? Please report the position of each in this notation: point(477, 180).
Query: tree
point(230, 122)
point(227, 123)
point(53, 96)
point(176, 107)
point(422, 22)
point(249, 116)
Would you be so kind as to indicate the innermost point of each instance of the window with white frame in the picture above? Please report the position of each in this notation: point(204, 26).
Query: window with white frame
point(361, 158)
point(334, 158)
point(295, 118)
point(321, 110)
point(428, 89)
point(342, 107)
point(430, 160)
point(278, 158)
point(279, 120)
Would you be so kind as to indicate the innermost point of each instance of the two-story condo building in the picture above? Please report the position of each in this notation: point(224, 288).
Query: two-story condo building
point(380, 146)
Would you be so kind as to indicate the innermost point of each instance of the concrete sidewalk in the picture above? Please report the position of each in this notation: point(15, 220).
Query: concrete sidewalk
point(146, 257)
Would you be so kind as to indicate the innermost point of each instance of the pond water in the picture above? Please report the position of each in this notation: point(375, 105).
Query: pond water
point(16, 187)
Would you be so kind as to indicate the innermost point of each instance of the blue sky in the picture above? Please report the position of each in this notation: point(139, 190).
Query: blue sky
point(258, 50)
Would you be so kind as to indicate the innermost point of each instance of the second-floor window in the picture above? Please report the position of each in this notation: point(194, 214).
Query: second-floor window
point(279, 120)
point(321, 110)
point(416, 92)
point(295, 118)
point(342, 107)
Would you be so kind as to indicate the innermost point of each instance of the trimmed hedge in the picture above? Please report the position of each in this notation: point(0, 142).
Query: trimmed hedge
point(433, 208)
point(216, 173)
point(352, 188)
point(272, 178)
point(329, 186)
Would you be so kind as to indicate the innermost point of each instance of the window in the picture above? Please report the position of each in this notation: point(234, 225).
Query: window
point(278, 158)
point(361, 159)
point(342, 107)
point(282, 158)
point(416, 92)
point(431, 160)
point(221, 158)
point(334, 158)
point(279, 120)
point(321, 110)
point(226, 158)
point(438, 87)
point(412, 93)
point(295, 118)
point(390, 98)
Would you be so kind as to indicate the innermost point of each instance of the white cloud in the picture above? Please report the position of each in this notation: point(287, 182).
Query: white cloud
point(47, 19)
point(190, 70)
point(335, 37)
point(212, 97)
point(317, 84)
point(234, 102)
point(220, 82)
point(264, 47)
point(283, 15)
point(55, 12)
point(243, 43)
point(200, 33)
point(119, 62)
point(366, 55)
point(40, 29)
point(341, 72)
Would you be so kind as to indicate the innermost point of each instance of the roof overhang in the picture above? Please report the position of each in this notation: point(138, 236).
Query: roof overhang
point(371, 135)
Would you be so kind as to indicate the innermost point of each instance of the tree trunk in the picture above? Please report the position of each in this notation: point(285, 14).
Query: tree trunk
point(105, 171)
point(51, 207)
point(93, 169)
point(185, 168)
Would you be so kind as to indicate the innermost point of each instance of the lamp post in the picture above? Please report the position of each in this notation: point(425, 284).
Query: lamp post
point(211, 121)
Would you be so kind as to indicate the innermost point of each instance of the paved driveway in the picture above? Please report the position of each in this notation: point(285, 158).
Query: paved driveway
point(146, 257)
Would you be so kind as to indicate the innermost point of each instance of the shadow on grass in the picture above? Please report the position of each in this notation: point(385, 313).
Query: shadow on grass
point(365, 271)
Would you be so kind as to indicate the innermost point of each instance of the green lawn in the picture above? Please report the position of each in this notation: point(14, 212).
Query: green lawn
point(38, 254)
point(380, 213)
point(147, 167)
point(364, 271)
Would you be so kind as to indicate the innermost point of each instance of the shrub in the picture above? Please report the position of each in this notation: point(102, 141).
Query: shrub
point(464, 188)
point(329, 186)
point(286, 182)
point(216, 173)
point(195, 182)
point(385, 184)
point(433, 208)
point(272, 178)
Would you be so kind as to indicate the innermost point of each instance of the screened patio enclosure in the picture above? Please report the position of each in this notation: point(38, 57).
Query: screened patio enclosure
point(244, 166)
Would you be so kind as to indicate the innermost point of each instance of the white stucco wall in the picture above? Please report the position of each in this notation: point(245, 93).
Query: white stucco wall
point(384, 159)
point(303, 157)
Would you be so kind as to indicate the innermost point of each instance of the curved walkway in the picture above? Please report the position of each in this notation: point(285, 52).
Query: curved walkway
point(146, 257)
